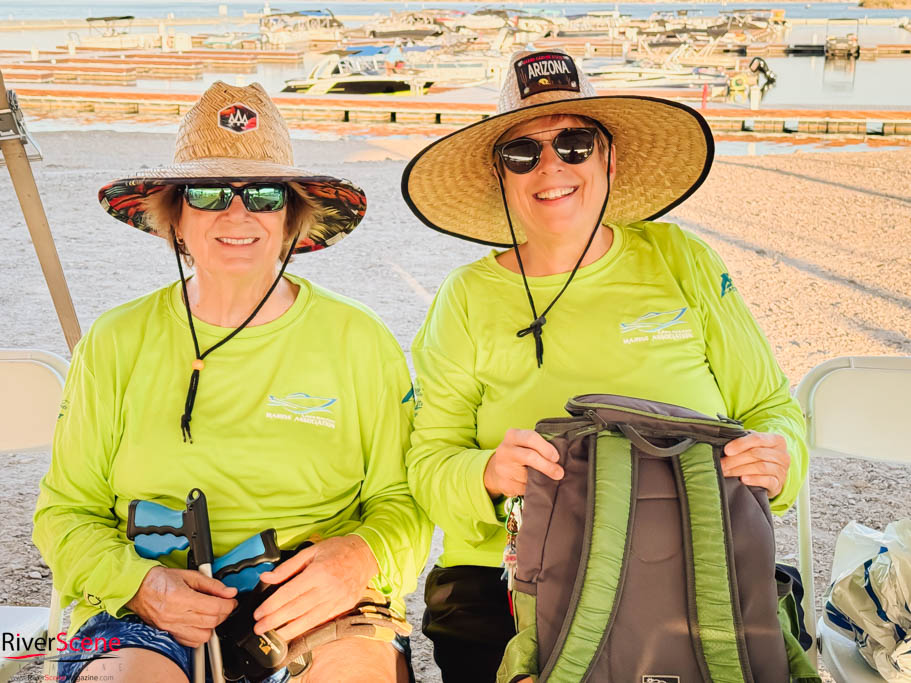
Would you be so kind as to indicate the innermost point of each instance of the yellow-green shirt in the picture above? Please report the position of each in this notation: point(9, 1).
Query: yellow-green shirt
point(300, 425)
point(657, 317)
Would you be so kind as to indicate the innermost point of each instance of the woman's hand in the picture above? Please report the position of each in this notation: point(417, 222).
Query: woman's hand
point(328, 579)
point(183, 602)
point(505, 474)
point(759, 459)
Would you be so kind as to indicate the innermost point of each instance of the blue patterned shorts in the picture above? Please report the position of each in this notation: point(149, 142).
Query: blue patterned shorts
point(134, 632)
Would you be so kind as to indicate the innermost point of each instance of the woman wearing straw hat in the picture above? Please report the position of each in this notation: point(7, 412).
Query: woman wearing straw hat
point(223, 381)
point(590, 295)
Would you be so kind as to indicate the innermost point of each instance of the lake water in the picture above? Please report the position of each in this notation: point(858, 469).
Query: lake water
point(802, 81)
point(56, 9)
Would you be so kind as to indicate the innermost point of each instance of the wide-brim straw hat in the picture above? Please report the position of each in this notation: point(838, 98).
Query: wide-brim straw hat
point(664, 151)
point(237, 133)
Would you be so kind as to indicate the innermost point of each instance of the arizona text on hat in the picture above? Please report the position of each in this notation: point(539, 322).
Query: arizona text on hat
point(664, 151)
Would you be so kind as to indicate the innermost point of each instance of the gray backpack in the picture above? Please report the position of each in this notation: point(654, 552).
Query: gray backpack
point(644, 564)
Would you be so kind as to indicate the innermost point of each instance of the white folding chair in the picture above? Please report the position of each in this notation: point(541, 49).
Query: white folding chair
point(31, 384)
point(856, 407)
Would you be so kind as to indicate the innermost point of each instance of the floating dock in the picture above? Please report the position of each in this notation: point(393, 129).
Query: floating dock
point(401, 113)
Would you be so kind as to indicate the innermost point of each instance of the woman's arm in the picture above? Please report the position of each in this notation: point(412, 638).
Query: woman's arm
point(754, 388)
point(445, 465)
point(74, 527)
point(392, 524)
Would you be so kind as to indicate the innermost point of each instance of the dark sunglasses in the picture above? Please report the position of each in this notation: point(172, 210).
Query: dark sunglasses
point(572, 145)
point(257, 197)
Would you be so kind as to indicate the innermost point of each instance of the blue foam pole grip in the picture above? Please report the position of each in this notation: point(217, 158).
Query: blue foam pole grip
point(252, 547)
point(151, 546)
point(149, 514)
point(246, 579)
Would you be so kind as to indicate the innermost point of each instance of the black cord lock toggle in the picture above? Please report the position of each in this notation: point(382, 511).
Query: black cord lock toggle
point(536, 329)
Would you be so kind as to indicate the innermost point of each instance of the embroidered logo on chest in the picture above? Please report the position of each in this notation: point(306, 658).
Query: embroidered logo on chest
point(302, 407)
point(657, 326)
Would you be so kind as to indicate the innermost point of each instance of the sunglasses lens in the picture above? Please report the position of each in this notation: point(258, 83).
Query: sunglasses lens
point(264, 197)
point(521, 156)
point(575, 145)
point(209, 198)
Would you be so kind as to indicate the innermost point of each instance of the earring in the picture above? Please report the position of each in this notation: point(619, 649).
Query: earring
point(180, 241)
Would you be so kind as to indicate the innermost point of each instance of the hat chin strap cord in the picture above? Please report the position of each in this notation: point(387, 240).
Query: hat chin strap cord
point(198, 363)
point(537, 325)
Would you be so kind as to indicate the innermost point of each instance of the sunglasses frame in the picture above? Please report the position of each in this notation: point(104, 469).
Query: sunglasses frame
point(237, 191)
point(498, 149)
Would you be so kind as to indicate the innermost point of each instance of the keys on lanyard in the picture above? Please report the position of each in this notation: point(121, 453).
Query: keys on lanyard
point(513, 524)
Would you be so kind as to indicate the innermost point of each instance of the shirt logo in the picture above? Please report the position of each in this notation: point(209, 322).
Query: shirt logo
point(543, 71)
point(238, 119)
point(302, 407)
point(652, 678)
point(727, 284)
point(657, 325)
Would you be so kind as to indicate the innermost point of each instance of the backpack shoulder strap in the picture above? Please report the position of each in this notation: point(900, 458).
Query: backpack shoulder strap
point(709, 556)
point(611, 510)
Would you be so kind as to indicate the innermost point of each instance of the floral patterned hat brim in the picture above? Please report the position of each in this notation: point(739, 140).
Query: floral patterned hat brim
point(343, 205)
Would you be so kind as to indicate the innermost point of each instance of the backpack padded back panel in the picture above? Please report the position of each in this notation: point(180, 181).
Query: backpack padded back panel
point(641, 560)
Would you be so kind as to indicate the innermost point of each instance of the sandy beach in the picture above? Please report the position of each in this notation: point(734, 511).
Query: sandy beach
point(817, 244)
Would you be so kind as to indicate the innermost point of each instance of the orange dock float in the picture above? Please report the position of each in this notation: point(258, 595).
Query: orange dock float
point(442, 114)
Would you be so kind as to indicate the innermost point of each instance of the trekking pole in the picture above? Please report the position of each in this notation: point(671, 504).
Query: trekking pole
point(157, 530)
point(13, 136)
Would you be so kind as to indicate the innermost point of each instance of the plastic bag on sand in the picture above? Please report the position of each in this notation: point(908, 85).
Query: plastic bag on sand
point(869, 599)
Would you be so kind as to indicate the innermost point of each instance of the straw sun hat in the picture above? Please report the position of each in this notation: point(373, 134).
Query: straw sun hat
point(237, 133)
point(664, 151)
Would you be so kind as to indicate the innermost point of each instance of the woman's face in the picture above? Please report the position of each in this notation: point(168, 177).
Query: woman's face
point(234, 241)
point(555, 197)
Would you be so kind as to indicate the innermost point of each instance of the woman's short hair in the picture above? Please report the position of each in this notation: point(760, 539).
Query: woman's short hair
point(162, 212)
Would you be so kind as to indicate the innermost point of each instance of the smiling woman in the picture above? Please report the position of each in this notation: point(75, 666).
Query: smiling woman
point(223, 381)
point(568, 184)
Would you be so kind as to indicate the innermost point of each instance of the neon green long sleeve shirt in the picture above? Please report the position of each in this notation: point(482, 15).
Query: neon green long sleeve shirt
point(656, 317)
point(300, 425)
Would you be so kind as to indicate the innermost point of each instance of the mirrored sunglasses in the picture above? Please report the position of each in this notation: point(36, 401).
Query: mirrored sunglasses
point(257, 197)
point(572, 145)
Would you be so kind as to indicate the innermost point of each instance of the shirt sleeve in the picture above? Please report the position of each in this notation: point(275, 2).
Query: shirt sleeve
point(392, 524)
point(445, 465)
point(754, 388)
point(75, 503)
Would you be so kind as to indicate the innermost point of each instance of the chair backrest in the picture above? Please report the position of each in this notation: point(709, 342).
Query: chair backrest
point(31, 385)
point(855, 406)
point(858, 407)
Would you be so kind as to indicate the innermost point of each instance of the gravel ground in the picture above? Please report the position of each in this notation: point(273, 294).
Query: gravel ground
point(816, 243)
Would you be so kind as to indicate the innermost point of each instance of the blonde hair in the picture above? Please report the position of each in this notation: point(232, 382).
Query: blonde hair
point(162, 211)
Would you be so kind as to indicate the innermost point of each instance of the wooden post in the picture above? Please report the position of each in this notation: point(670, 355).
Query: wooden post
point(20, 171)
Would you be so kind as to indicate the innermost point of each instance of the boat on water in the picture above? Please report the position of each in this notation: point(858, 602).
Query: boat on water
point(607, 73)
point(299, 28)
point(363, 71)
point(360, 71)
point(413, 25)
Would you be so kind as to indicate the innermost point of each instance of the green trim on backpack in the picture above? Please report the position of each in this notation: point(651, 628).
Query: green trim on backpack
point(718, 628)
point(521, 656)
point(613, 483)
point(799, 664)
